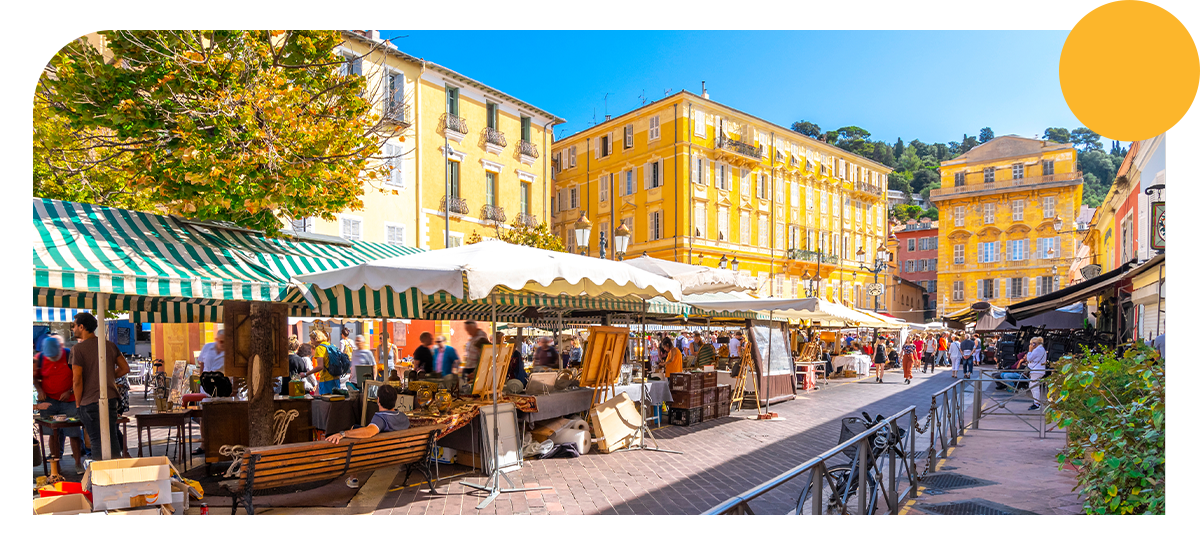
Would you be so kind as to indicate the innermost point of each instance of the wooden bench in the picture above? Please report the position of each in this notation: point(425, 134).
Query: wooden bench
point(291, 464)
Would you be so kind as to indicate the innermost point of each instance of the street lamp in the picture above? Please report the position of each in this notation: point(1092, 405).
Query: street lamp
point(583, 231)
point(734, 265)
point(620, 241)
point(881, 258)
point(603, 244)
point(723, 263)
point(700, 260)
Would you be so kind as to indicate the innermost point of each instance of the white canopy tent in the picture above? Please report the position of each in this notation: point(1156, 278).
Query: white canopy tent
point(807, 309)
point(695, 279)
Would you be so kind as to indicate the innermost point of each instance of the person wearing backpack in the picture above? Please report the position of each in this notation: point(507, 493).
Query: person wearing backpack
point(52, 377)
point(329, 363)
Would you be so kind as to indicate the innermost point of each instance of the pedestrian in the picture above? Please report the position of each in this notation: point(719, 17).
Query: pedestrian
point(423, 356)
point(305, 352)
point(653, 348)
point(943, 350)
point(477, 338)
point(85, 369)
point(211, 361)
point(880, 360)
point(706, 354)
point(516, 365)
point(1036, 358)
point(54, 381)
point(955, 353)
point(909, 353)
point(545, 357)
point(735, 347)
point(362, 363)
point(967, 349)
point(978, 351)
point(346, 344)
point(930, 353)
point(446, 364)
point(674, 360)
point(575, 353)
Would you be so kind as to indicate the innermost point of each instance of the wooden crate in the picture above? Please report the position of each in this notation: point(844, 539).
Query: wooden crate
point(684, 416)
point(685, 382)
point(722, 409)
point(709, 379)
point(708, 412)
point(708, 396)
point(687, 400)
point(724, 393)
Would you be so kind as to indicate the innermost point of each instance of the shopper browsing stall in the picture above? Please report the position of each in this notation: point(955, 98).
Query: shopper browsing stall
point(85, 368)
point(54, 381)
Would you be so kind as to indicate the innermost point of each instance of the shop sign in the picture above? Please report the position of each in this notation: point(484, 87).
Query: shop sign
point(1158, 225)
point(1090, 271)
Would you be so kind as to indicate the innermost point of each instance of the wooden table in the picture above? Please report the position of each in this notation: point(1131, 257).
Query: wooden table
point(173, 419)
point(225, 423)
point(50, 465)
point(808, 372)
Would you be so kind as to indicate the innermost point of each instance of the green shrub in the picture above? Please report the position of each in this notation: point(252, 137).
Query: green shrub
point(1114, 408)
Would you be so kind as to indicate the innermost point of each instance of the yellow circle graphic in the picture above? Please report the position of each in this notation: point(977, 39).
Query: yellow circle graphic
point(1129, 70)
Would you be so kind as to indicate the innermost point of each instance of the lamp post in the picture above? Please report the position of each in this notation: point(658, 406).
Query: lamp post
point(734, 265)
point(700, 260)
point(603, 244)
point(881, 258)
point(723, 263)
point(620, 241)
point(583, 232)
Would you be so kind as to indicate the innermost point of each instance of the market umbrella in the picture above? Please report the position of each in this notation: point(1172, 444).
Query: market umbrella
point(475, 271)
point(807, 309)
point(695, 279)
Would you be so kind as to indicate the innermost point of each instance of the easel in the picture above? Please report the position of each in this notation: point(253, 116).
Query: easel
point(739, 385)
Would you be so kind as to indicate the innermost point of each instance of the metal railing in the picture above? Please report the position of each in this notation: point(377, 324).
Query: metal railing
point(492, 212)
point(1005, 184)
point(526, 219)
point(739, 147)
point(869, 472)
point(996, 402)
point(494, 137)
point(457, 206)
point(811, 256)
point(397, 113)
point(868, 188)
point(526, 147)
point(454, 123)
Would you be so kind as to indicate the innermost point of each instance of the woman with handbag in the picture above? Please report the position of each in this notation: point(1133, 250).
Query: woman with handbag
point(880, 358)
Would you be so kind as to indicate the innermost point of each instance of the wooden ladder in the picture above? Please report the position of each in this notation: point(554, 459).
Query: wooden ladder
point(739, 385)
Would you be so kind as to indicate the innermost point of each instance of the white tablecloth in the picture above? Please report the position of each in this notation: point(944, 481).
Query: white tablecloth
point(859, 363)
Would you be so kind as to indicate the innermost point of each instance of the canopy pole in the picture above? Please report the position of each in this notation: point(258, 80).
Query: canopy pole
point(764, 373)
point(106, 376)
point(644, 430)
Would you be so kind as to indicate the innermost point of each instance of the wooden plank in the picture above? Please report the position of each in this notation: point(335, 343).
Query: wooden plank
point(340, 452)
point(483, 375)
point(602, 362)
point(421, 430)
point(332, 470)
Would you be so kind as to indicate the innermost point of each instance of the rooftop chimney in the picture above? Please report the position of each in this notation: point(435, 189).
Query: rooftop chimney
point(373, 35)
point(703, 90)
point(607, 118)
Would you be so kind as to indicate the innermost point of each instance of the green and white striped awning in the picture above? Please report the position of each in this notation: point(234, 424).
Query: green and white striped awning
point(167, 269)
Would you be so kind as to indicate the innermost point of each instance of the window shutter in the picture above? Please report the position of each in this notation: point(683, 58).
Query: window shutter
point(704, 168)
point(998, 287)
point(1008, 251)
point(1058, 252)
point(979, 249)
point(610, 144)
point(979, 289)
point(646, 176)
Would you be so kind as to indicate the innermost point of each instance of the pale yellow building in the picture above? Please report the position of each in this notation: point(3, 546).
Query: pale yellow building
point(997, 208)
point(700, 182)
point(494, 170)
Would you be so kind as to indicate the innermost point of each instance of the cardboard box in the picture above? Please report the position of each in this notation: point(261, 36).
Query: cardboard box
point(128, 483)
point(69, 504)
point(179, 500)
point(616, 424)
point(469, 459)
point(154, 510)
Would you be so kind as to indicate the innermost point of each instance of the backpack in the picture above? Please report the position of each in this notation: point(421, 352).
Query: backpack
point(337, 363)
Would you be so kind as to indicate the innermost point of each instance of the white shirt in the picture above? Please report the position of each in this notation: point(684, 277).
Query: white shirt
point(735, 347)
point(955, 350)
point(211, 358)
point(1037, 359)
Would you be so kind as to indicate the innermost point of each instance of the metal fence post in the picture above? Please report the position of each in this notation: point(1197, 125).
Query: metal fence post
point(912, 454)
point(978, 409)
point(818, 496)
point(934, 423)
point(862, 475)
point(892, 501)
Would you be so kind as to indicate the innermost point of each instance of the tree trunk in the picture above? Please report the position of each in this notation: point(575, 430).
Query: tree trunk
point(260, 393)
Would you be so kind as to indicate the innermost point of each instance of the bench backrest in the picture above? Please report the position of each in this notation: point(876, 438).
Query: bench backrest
point(303, 462)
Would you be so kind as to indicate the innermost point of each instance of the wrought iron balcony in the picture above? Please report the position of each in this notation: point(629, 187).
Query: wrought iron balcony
point(740, 147)
point(527, 148)
point(397, 112)
point(868, 188)
point(454, 123)
point(1006, 185)
point(493, 213)
point(811, 256)
point(494, 137)
point(526, 219)
point(457, 206)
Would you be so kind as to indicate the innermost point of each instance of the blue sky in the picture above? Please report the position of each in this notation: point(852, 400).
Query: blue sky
point(931, 85)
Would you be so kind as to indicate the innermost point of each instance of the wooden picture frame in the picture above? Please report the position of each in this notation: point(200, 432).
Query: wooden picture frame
point(370, 393)
point(510, 437)
point(237, 338)
point(483, 374)
point(605, 353)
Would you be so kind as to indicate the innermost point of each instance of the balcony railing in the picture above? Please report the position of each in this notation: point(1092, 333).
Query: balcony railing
point(526, 219)
point(811, 256)
point(868, 188)
point(527, 149)
point(740, 147)
point(454, 123)
point(397, 113)
point(457, 206)
point(1005, 184)
point(494, 137)
point(493, 213)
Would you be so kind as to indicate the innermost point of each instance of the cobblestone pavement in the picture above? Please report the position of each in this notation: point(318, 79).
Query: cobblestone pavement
point(721, 458)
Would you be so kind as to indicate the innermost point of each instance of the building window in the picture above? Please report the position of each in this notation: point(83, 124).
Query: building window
point(701, 221)
point(605, 145)
point(351, 229)
point(455, 240)
point(958, 290)
point(723, 223)
point(960, 253)
point(1016, 287)
point(1047, 168)
point(989, 213)
point(654, 226)
point(1043, 285)
point(960, 214)
point(526, 129)
point(394, 234)
point(307, 224)
point(629, 136)
point(653, 177)
point(1048, 247)
point(1048, 207)
point(779, 235)
point(452, 100)
point(987, 252)
point(490, 179)
point(912, 243)
point(602, 185)
point(351, 64)
point(808, 198)
point(1016, 249)
point(395, 175)
point(744, 228)
point(795, 194)
point(699, 126)
point(989, 175)
point(629, 224)
point(454, 180)
point(764, 232)
point(574, 194)
point(493, 116)
point(525, 197)
point(1018, 171)
point(1018, 210)
point(908, 266)
point(571, 156)
point(744, 182)
point(654, 130)
point(960, 179)
point(723, 177)
point(985, 288)
point(824, 201)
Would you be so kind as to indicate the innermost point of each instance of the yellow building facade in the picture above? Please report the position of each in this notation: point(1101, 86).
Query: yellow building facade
point(461, 144)
point(700, 182)
point(997, 208)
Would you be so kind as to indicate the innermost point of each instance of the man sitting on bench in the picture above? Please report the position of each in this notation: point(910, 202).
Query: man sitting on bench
point(387, 419)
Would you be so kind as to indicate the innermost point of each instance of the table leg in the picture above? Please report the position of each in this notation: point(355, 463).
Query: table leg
point(55, 451)
point(139, 431)
point(42, 447)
